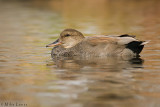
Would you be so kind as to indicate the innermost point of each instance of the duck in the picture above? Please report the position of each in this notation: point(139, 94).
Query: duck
point(72, 42)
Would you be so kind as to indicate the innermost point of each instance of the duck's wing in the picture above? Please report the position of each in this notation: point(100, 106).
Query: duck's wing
point(124, 35)
point(122, 41)
point(109, 39)
point(96, 40)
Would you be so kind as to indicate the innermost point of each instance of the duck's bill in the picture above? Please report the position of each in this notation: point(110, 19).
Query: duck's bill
point(55, 43)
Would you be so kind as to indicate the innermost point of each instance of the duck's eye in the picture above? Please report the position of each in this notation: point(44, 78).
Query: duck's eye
point(66, 35)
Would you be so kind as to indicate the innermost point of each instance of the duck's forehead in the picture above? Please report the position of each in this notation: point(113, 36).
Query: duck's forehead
point(68, 32)
point(63, 33)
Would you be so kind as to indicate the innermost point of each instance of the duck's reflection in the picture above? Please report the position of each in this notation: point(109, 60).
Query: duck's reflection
point(95, 79)
point(100, 63)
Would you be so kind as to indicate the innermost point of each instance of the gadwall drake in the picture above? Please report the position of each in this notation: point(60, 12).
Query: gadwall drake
point(72, 43)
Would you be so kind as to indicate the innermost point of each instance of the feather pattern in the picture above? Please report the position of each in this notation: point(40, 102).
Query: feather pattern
point(102, 45)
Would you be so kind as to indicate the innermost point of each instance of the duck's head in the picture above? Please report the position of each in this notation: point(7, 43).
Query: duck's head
point(68, 38)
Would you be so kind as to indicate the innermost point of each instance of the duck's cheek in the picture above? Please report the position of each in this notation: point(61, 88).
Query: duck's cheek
point(68, 45)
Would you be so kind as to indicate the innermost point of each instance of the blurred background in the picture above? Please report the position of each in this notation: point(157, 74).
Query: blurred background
point(28, 74)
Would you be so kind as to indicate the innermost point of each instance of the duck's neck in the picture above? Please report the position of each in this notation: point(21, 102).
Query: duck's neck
point(80, 39)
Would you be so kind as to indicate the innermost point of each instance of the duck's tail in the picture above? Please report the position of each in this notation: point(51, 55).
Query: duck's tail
point(145, 42)
point(136, 46)
point(131, 43)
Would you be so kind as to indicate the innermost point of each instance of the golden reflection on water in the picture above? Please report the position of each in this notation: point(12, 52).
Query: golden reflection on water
point(108, 17)
point(29, 75)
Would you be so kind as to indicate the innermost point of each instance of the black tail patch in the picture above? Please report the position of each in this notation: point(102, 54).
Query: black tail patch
point(135, 46)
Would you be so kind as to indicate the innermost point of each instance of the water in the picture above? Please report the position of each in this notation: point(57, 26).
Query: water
point(28, 75)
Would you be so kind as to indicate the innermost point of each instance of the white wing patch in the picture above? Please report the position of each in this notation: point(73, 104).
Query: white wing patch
point(125, 40)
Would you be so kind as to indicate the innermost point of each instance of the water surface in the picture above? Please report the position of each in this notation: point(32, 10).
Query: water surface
point(29, 75)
